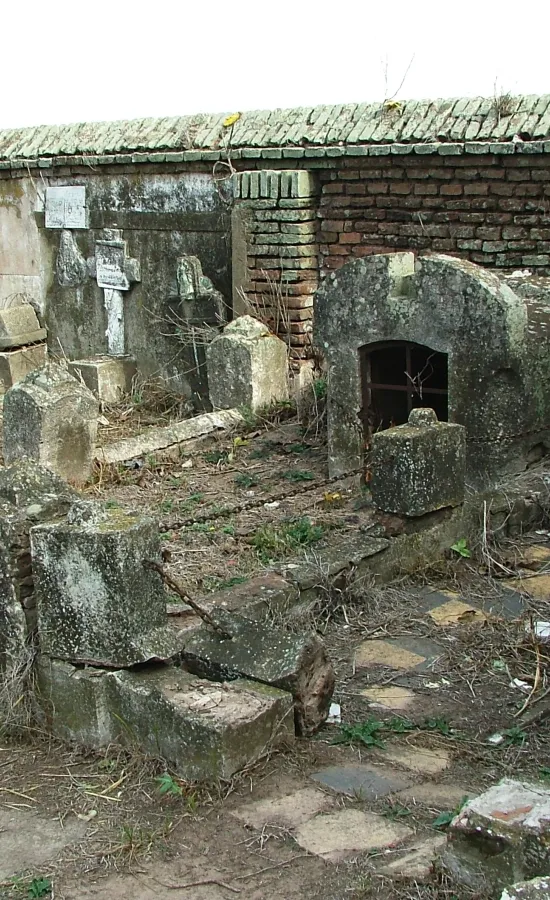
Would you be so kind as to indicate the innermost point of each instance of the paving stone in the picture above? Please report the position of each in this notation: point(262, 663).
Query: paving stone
point(538, 586)
point(30, 841)
point(418, 863)
point(455, 612)
point(435, 796)
point(362, 782)
point(510, 605)
point(392, 697)
point(407, 653)
point(335, 836)
point(289, 811)
point(536, 555)
point(420, 759)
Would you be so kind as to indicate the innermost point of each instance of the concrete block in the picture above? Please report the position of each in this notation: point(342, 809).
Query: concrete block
point(15, 365)
point(97, 603)
point(500, 837)
point(107, 377)
point(297, 663)
point(206, 731)
point(51, 418)
point(247, 366)
point(19, 326)
point(418, 467)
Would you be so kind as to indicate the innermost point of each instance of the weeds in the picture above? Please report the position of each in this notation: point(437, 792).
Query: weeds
point(243, 480)
point(168, 785)
point(299, 475)
point(367, 733)
point(275, 541)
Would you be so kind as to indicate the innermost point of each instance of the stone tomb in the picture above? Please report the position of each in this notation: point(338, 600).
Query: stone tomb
point(399, 333)
point(52, 418)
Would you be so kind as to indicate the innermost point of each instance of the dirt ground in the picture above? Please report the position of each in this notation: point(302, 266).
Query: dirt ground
point(115, 826)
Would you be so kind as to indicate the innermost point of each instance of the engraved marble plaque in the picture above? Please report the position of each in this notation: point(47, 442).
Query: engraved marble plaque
point(66, 207)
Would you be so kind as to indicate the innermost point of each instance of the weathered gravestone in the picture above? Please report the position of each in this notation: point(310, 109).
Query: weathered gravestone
point(51, 418)
point(97, 603)
point(22, 344)
point(419, 467)
point(247, 366)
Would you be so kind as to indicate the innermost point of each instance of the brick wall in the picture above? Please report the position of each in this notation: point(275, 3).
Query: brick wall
point(491, 209)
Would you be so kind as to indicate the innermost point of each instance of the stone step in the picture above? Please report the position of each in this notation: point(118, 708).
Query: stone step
point(205, 731)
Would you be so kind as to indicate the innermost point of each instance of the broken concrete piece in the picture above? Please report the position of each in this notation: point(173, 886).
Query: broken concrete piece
point(15, 365)
point(297, 663)
point(168, 436)
point(107, 377)
point(500, 836)
point(416, 863)
point(419, 467)
point(97, 603)
point(535, 889)
point(51, 418)
point(205, 731)
point(19, 326)
point(247, 366)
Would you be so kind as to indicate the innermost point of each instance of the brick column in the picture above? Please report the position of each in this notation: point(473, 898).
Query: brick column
point(276, 252)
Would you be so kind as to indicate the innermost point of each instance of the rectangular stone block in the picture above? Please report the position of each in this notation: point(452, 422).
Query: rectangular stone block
point(419, 467)
point(15, 365)
point(18, 326)
point(97, 603)
point(206, 731)
point(107, 377)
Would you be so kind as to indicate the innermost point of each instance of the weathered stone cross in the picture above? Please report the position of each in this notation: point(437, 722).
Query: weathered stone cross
point(115, 272)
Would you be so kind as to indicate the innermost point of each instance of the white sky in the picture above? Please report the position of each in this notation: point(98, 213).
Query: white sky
point(71, 61)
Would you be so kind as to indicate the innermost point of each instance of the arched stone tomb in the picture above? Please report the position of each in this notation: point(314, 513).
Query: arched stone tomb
point(399, 333)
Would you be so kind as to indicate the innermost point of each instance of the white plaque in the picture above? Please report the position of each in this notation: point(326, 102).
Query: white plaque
point(109, 260)
point(66, 207)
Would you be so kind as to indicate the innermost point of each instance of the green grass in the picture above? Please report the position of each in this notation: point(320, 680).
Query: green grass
point(276, 541)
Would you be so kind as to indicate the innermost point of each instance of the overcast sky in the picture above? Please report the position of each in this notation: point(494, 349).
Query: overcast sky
point(111, 59)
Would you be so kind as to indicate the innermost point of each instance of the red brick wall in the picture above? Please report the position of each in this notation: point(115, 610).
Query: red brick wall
point(491, 209)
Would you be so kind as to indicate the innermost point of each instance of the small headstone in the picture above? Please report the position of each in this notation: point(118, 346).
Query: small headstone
point(107, 377)
point(19, 326)
point(97, 603)
point(247, 366)
point(419, 467)
point(51, 418)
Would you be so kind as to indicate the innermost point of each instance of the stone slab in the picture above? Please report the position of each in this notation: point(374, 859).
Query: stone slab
point(417, 864)
point(293, 661)
point(336, 836)
point(161, 438)
point(392, 697)
point(535, 556)
point(421, 760)
point(455, 612)
point(407, 653)
point(30, 841)
point(205, 730)
point(361, 782)
point(435, 795)
point(538, 586)
point(289, 811)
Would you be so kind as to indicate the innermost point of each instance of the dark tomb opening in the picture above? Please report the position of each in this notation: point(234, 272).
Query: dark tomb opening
point(398, 376)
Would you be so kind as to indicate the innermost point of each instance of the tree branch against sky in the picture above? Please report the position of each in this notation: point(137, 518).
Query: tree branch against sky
point(115, 59)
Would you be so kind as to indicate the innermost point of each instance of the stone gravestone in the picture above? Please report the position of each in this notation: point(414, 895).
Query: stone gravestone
point(22, 344)
point(419, 467)
point(52, 418)
point(247, 365)
point(97, 603)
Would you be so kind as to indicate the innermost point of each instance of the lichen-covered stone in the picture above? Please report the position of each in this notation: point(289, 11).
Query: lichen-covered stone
point(18, 326)
point(297, 663)
point(206, 731)
point(51, 418)
point(247, 366)
point(419, 467)
point(499, 837)
point(15, 365)
point(96, 601)
point(534, 889)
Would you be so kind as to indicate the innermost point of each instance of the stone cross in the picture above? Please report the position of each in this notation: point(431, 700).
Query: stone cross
point(115, 272)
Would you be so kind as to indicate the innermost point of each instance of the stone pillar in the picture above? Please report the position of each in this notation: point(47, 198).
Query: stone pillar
point(275, 252)
point(246, 366)
point(419, 467)
point(52, 418)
